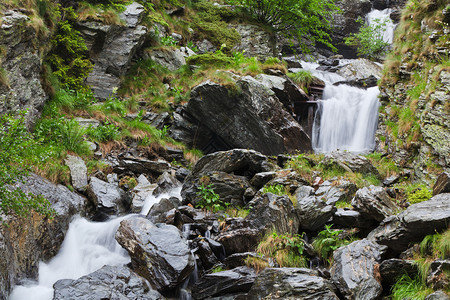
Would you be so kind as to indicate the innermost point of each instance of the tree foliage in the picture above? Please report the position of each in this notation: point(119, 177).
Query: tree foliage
point(301, 19)
point(369, 40)
point(15, 143)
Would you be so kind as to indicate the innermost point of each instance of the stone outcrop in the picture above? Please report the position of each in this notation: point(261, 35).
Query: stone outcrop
point(353, 270)
point(172, 59)
point(158, 253)
point(291, 283)
point(20, 65)
point(78, 172)
point(112, 48)
point(373, 202)
point(106, 283)
point(255, 41)
point(243, 115)
point(24, 242)
point(413, 224)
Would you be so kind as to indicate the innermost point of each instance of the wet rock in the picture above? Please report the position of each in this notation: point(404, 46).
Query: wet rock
point(292, 62)
point(158, 253)
point(247, 116)
point(438, 295)
point(78, 172)
point(21, 65)
point(332, 191)
point(237, 280)
point(140, 165)
point(43, 236)
point(158, 210)
point(363, 83)
point(313, 213)
point(239, 162)
point(442, 184)
point(255, 42)
point(106, 283)
point(360, 69)
point(260, 179)
point(165, 183)
point(413, 224)
point(112, 48)
point(108, 199)
point(204, 252)
point(373, 202)
point(291, 283)
point(392, 269)
point(172, 59)
point(348, 218)
point(238, 259)
point(353, 270)
point(140, 193)
point(350, 162)
point(437, 277)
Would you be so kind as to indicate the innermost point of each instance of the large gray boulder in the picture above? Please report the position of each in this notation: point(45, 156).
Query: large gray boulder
point(20, 85)
point(442, 184)
point(360, 69)
point(373, 202)
point(140, 193)
point(412, 225)
point(291, 283)
point(353, 270)
point(172, 59)
point(78, 172)
point(255, 41)
point(247, 115)
point(43, 236)
point(159, 253)
point(106, 283)
point(332, 191)
point(313, 213)
point(350, 162)
point(112, 48)
point(237, 280)
point(238, 163)
point(107, 198)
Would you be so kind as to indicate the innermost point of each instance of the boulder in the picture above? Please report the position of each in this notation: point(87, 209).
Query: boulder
point(237, 280)
point(112, 48)
point(246, 115)
point(373, 202)
point(359, 69)
point(332, 191)
point(442, 184)
point(438, 295)
point(238, 259)
point(291, 283)
point(139, 165)
point(313, 213)
point(172, 59)
point(20, 86)
point(350, 162)
point(362, 83)
point(438, 274)
point(240, 162)
point(107, 198)
point(260, 179)
point(268, 212)
point(392, 269)
point(78, 172)
point(348, 218)
point(166, 182)
point(140, 193)
point(255, 41)
point(157, 213)
point(106, 283)
point(158, 253)
point(204, 253)
point(43, 236)
point(353, 270)
point(413, 224)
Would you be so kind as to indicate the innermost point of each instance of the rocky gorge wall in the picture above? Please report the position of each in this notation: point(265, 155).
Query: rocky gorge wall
point(414, 118)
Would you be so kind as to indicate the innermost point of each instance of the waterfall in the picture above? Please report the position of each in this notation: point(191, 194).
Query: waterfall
point(383, 15)
point(87, 247)
point(346, 117)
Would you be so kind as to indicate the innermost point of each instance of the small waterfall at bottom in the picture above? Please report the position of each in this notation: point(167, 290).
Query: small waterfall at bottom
point(346, 119)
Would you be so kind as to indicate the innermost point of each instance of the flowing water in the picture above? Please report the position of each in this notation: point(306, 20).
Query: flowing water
point(87, 247)
point(383, 16)
point(346, 117)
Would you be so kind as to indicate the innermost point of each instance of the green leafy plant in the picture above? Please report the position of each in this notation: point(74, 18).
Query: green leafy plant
point(209, 200)
point(301, 19)
point(168, 41)
point(103, 133)
point(15, 143)
point(276, 189)
point(369, 40)
point(327, 241)
point(419, 195)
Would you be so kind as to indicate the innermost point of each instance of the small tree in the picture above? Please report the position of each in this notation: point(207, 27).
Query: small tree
point(15, 142)
point(300, 19)
point(370, 39)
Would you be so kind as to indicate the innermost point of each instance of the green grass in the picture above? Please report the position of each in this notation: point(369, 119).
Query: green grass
point(329, 240)
point(409, 288)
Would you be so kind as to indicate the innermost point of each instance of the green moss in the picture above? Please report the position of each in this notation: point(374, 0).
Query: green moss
point(217, 59)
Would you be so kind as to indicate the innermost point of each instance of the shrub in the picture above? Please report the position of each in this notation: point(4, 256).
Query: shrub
point(369, 40)
point(419, 195)
point(104, 133)
point(276, 189)
point(209, 199)
point(15, 143)
point(327, 241)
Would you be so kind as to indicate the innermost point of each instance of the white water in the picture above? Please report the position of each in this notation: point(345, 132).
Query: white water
point(346, 117)
point(383, 15)
point(87, 247)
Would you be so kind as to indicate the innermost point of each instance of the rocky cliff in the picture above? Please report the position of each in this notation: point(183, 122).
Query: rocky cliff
point(415, 87)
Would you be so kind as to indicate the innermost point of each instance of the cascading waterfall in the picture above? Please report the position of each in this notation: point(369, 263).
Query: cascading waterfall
point(346, 117)
point(383, 16)
point(87, 247)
